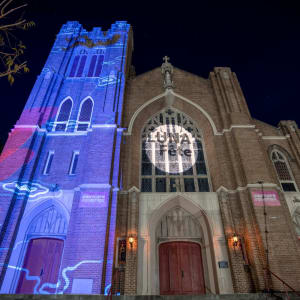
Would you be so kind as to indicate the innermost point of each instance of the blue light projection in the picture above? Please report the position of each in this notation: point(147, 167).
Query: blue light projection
point(41, 290)
point(27, 193)
point(35, 191)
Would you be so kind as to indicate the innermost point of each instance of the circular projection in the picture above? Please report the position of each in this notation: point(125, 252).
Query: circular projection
point(171, 148)
point(172, 155)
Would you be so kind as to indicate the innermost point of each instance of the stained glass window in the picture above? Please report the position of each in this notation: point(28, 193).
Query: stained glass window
point(172, 155)
point(85, 115)
point(63, 115)
point(283, 171)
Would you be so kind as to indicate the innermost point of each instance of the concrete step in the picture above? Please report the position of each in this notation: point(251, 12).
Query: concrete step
point(252, 296)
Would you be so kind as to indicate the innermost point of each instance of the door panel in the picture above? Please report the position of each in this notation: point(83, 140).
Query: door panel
point(174, 269)
point(197, 269)
point(164, 270)
point(180, 268)
point(185, 266)
point(41, 265)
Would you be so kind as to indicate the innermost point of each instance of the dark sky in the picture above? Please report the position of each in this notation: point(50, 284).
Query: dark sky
point(260, 41)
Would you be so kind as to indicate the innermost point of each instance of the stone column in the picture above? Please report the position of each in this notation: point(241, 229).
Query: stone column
point(131, 251)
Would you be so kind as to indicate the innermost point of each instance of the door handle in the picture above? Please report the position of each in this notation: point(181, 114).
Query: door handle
point(182, 274)
point(42, 271)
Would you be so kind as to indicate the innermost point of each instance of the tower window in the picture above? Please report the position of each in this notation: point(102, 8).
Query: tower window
point(85, 114)
point(99, 65)
point(81, 66)
point(92, 66)
point(172, 155)
point(48, 162)
point(74, 66)
point(283, 171)
point(74, 162)
point(63, 115)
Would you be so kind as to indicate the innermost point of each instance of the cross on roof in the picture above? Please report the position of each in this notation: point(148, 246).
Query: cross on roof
point(166, 58)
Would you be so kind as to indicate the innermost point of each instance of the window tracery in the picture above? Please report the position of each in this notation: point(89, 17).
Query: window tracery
point(63, 115)
point(85, 114)
point(173, 158)
point(283, 171)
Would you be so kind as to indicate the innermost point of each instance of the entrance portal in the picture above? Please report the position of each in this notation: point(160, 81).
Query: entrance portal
point(41, 265)
point(180, 268)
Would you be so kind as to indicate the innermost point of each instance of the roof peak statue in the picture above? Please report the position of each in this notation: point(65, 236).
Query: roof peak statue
point(167, 71)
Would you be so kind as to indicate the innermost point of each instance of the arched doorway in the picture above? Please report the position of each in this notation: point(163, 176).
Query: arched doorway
point(42, 258)
point(181, 269)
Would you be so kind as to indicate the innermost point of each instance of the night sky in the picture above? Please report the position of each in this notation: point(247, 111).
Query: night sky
point(259, 41)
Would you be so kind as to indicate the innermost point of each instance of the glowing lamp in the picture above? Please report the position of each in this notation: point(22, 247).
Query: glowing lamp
point(131, 240)
point(235, 240)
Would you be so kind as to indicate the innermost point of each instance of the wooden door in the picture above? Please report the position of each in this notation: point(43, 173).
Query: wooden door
point(181, 269)
point(42, 262)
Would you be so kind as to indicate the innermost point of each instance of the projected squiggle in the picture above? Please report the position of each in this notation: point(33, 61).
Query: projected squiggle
point(34, 190)
point(15, 246)
point(67, 269)
point(41, 289)
point(27, 276)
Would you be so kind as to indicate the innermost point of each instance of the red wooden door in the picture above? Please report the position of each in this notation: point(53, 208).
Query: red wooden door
point(180, 269)
point(42, 261)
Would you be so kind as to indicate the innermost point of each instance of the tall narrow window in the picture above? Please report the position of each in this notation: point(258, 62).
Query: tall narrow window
point(99, 65)
point(81, 66)
point(48, 163)
point(74, 66)
point(283, 171)
point(92, 66)
point(74, 161)
point(172, 157)
point(63, 115)
point(85, 114)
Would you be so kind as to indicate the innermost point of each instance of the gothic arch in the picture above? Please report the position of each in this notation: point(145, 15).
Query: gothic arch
point(58, 114)
point(23, 237)
point(281, 149)
point(281, 162)
point(195, 170)
point(207, 241)
point(140, 120)
point(87, 122)
point(142, 107)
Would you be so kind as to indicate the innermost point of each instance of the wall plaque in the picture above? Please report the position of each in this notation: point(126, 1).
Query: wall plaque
point(268, 198)
point(93, 199)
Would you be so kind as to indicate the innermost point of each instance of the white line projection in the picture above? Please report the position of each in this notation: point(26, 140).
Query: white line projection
point(41, 289)
point(34, 190)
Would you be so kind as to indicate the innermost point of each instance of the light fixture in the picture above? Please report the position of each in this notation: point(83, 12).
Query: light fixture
point(131, 240)
point(235, 240)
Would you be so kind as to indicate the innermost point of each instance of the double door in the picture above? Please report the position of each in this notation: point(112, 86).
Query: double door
point(180, 269)
point(41, 266)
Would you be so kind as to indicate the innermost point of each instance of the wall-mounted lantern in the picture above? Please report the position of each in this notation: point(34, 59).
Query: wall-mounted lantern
point(236, 240)
point(131, 240)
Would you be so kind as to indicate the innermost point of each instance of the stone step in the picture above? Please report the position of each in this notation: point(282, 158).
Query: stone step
point(252, 296)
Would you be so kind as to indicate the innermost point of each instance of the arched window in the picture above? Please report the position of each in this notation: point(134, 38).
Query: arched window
point(85, 114)
point(283, 171)
point(173, 157)
point(63, 115)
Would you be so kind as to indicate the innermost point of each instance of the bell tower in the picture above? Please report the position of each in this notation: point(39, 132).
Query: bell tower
point(63, 156)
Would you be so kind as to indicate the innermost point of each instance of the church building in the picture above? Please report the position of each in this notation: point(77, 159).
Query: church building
point(156, 184)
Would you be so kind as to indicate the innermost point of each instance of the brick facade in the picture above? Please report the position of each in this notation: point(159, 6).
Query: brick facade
point(104, 203)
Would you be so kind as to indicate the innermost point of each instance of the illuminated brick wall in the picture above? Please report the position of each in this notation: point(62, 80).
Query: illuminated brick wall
point(82, 65)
